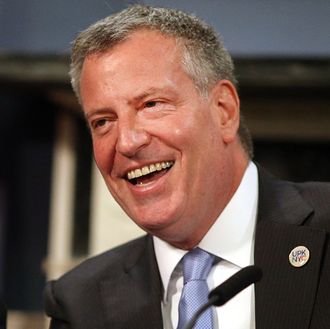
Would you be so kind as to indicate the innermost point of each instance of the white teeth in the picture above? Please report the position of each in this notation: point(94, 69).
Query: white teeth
point(131, 175)
point(149, 169)
point(138, 173)
point(145, 170)
point(152, 168)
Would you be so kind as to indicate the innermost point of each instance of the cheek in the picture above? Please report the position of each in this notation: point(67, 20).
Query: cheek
point(103, 155)
point(195, 132)
point(185, 129)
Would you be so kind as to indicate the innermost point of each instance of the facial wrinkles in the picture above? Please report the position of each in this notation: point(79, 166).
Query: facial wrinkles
point(181, 141)
point(146, 154)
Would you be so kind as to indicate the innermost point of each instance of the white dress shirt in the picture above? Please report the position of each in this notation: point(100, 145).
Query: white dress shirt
point(231, 239)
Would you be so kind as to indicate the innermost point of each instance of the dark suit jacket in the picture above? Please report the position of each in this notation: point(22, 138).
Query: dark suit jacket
point(121, 289)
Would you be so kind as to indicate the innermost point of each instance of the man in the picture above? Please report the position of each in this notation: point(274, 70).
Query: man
point(158, 92)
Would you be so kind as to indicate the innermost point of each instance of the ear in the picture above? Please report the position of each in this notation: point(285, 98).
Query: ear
point(226, 101)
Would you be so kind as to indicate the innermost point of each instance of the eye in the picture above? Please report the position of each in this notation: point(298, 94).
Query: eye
point(99, 123)
point(157, 106)
point(151, 104)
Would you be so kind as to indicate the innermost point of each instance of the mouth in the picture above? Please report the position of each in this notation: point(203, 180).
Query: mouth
point(146, 174)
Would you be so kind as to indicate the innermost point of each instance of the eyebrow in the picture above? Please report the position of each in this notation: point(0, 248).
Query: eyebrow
point(137, 98)
point(98, 111)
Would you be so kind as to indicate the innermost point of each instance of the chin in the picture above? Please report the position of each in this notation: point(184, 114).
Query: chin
point(154, 222)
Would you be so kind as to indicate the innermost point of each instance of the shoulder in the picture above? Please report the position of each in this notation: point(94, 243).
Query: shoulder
point(99, 265)
point(296, 198)
point(83, 280)
point(314, 190)
point(309, 189)
point(77, 294)
point(317, 195)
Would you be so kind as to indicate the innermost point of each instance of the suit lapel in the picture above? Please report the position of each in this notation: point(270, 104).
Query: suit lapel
point(132, 296)
point(285, 296)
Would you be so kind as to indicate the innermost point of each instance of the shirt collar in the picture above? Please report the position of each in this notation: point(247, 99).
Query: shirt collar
point(230, 237)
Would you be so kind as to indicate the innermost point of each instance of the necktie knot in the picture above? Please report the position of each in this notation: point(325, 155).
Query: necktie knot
point(197, 264)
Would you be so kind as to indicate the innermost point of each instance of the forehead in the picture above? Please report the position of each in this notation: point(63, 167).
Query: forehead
point(152, 37)
point(142, 43)
point(145, 57)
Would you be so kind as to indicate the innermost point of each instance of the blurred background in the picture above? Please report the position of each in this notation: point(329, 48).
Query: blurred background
point(54, 208)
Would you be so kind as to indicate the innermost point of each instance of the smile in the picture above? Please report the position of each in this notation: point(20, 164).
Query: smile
point(147, 170)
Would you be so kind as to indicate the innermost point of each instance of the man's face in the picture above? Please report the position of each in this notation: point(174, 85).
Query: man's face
point(163, 149)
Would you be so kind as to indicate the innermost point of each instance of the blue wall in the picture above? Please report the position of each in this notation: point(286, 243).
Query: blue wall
point(250, 28)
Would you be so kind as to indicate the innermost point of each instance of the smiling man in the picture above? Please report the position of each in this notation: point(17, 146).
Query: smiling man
point(157, 88)
point(146, 114)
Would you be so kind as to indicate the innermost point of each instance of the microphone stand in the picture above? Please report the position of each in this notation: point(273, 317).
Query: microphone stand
point(227, 290)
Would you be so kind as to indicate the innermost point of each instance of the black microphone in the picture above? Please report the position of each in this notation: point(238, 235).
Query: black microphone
point(228, 289)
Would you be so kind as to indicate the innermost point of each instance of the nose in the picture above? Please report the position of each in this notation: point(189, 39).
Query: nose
point(131, 138)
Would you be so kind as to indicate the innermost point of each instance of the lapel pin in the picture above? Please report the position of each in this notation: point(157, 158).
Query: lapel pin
point(299, 256)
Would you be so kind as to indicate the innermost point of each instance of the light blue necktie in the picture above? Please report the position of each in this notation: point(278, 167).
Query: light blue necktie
point(197, 264)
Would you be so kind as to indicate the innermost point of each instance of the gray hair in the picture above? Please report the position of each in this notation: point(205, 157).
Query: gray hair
point(204, 57)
